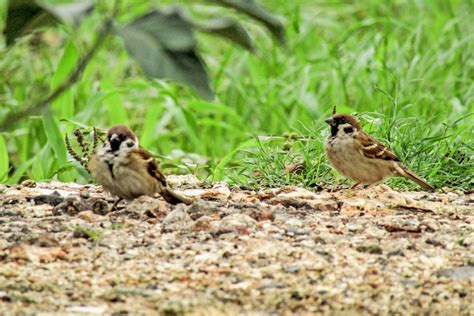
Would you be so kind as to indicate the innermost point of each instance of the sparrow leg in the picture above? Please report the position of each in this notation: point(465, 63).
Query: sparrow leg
point(112, 208)
point(355, 185)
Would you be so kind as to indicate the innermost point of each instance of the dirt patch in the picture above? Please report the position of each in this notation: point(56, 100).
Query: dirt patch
point(276, 251)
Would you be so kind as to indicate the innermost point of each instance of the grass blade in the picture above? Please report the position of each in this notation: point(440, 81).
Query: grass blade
point(4, 161)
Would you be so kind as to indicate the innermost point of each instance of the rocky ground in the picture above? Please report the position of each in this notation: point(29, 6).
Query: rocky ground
point(277, 251)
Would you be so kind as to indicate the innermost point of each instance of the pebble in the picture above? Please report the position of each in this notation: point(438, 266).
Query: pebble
point(178, 219)
point(223, 257)
point(236, 221)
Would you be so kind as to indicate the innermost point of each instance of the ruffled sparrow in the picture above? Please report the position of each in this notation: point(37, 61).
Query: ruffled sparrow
point(128, 171)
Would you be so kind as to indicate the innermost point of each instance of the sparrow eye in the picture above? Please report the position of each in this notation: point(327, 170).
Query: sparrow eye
point(348, 130)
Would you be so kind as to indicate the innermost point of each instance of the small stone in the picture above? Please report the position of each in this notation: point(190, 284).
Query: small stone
point(178, 219)
point(468, 241)
point(266, 215)
point(203, 208)
point(430, 225)
point(203, 223)
point(375, 232)
point(434, 242)
point(294, 223)
point(470, 261)
point(355, 228)
point(372, 249)
point(52, 199)
point(88, 216)
point(28, 183)
point(319, 240)
point(457, 273)
point(87, 309)
point(292, 269)
point(412, 226)
point(236, 222)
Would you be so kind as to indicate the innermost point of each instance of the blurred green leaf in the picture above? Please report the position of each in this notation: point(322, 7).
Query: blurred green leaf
point(272, 22)
point(150, 123)
point(218, 173)
point(228, 28)
point(55, 138)
point(163, 44)
point(116, 109)
point(25, 16)
point(191, 127)
point(199, 106)
point(20, 171)
point(64, 104)
point(39, 166)
point(4, 161)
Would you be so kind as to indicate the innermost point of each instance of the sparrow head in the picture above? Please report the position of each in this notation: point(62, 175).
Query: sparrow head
point(121, 137)
point(345, 123)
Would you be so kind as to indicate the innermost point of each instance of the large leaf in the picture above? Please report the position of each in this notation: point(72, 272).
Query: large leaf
point(25, 16)
point(63, 106)
point(163, 44)
point(116, 109)
point(273, 23)
point(230, 29)
point(71, 13)
point(55, 138)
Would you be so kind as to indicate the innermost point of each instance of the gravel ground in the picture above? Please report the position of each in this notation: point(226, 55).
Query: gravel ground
point(235, 252)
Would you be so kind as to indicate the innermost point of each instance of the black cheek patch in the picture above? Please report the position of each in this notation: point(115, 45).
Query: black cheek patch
point(348, 130)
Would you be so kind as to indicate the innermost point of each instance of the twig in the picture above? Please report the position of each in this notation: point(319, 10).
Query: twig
point(13, 118)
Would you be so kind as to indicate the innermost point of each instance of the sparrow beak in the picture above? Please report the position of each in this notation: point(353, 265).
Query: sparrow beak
point(330, 121)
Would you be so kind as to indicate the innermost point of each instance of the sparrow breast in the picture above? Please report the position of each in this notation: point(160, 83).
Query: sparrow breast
point(344, 153)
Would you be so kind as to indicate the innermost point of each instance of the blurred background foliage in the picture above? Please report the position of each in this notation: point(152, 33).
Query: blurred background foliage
point(406, 68)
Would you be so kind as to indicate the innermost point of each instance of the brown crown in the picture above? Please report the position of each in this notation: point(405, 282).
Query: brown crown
point(348, 118)
point(121, 130)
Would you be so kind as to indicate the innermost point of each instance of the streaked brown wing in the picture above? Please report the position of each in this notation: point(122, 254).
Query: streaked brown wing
point(372, 148)
point(151, 164)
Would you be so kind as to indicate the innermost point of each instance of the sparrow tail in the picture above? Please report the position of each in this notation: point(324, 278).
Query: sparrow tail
point(422, 183)
point(173, 197)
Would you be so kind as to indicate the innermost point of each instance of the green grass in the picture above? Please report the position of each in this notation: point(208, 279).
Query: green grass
point(434, 156)
point(94, 235)
point(406, 67)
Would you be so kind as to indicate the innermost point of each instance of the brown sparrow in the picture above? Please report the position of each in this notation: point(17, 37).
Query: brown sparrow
point(362, 158)
point(128, 171)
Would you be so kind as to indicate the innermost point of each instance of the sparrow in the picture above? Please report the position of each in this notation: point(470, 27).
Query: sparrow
point(362, 158)
point(128, 171)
